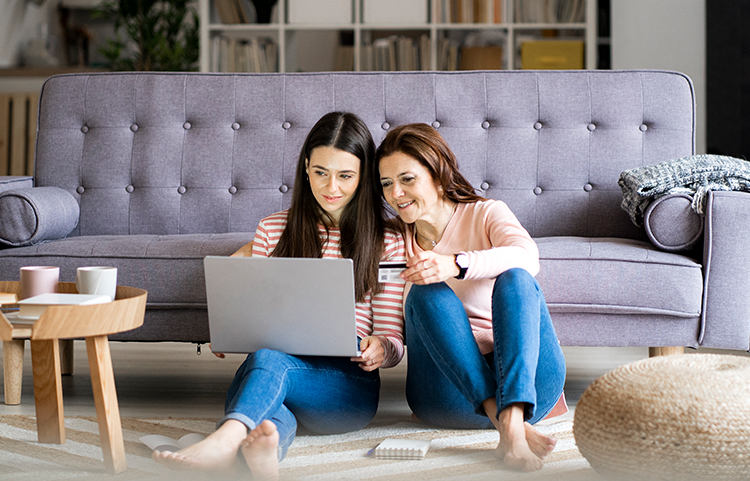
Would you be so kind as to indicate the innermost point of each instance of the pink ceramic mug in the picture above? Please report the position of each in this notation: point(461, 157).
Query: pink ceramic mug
point(37, 280)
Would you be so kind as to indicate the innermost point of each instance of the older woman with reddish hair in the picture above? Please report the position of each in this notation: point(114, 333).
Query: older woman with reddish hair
point(482, 350)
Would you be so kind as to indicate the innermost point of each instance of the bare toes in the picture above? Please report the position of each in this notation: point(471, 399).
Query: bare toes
point(260, 450)
point(540, 444)
point(523, 463)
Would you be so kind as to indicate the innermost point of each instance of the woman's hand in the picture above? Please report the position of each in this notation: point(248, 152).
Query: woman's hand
point(373, 354)
point(220, 355)
point(429, 267)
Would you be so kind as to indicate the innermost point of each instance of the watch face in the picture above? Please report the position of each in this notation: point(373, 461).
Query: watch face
point(462, 260)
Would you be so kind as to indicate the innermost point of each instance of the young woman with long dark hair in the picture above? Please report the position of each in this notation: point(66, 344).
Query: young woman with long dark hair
point(334, 213)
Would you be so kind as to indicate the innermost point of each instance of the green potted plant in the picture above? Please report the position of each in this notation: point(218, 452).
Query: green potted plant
point(151, 35)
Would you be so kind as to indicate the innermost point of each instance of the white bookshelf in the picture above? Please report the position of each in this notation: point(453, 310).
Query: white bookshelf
point(312, 46)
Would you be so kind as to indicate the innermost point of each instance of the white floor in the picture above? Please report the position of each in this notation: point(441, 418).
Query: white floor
point(157, 380)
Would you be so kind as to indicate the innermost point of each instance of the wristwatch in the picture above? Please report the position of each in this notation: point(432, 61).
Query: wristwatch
point(462, 261)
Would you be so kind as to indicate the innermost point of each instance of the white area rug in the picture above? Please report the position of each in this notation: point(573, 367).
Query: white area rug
point(453, 455)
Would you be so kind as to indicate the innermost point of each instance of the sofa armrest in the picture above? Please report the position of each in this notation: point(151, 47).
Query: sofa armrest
point(672, 224)
point(10, 182)
point(726, 271)
point(36, 214)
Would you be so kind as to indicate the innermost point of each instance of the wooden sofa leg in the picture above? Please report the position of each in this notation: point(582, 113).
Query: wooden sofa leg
point(66, 357)
point(665, 351)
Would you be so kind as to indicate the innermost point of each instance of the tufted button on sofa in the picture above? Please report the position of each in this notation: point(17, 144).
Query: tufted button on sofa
point(167, 168)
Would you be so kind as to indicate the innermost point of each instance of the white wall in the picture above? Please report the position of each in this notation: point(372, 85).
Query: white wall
point(20, 21)
point(664, 35)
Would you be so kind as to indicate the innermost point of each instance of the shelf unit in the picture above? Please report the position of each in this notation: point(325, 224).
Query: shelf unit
point(293, 38)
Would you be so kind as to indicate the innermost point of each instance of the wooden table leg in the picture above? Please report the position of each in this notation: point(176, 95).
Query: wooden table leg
point(45, 364)
point(105, 399)
point(66, 357)
point(13, 370)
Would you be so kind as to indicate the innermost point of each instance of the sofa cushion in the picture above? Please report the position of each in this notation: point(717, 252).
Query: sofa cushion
point(672, 224)
point(33, 215)
point(618, 276)
point(169, 267)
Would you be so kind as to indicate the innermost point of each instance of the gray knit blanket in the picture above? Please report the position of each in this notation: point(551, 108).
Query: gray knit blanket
point(695, 175)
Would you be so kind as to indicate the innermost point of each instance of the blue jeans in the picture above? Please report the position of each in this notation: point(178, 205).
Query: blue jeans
point(326, 395)
point(447, 376)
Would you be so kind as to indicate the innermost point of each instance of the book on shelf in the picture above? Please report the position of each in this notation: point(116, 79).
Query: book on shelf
point(33, 307)
point(408, 53)
point(366, 60)
point(481, 58)
point(215, 54)
point(157, 442)
point(550, 11)
point(469, 11)
point(397, 53)
point(447, 54)
point(393, 448)
point(246, 11)
point(254, 55)
point(235, 11)
point(227, 10)
point(424, 52)
point(479, 50)
point(344, 58)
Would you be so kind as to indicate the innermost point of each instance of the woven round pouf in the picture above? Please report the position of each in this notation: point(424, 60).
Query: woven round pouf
point(679, 417)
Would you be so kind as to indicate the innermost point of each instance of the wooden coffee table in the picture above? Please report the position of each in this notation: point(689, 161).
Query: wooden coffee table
point(94, 323)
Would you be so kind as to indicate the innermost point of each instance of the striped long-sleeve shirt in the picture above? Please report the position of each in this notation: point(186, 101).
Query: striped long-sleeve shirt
point(380, 315)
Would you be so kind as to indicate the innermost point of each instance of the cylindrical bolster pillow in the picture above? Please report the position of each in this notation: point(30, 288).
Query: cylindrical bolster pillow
point(30, 216)
point(672, 224)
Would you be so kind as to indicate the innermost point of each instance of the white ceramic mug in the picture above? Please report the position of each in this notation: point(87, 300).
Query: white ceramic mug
point(97, 280)
point(37, 280)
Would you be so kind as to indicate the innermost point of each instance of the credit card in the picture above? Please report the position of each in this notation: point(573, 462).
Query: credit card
point(389, 271)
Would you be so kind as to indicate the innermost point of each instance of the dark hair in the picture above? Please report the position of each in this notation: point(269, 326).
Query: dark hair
point(429, 148)
point(362, 229)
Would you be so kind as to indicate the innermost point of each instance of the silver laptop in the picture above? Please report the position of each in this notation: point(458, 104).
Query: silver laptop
point(298, 306)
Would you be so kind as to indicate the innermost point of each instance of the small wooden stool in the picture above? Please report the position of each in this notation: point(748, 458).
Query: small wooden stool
point(94, 323)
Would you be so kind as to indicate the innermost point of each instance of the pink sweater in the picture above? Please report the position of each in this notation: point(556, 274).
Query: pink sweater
point(489, 233)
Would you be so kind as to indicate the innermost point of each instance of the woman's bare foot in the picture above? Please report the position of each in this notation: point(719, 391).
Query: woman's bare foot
point(513, 447)
point(218, 452)
point(540, 444)
point(521, 446)
point(261, 451)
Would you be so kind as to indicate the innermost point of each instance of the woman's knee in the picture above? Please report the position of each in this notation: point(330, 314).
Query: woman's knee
point(428, 300)
point(420, 295)
point(515, 277)
point(267, 359)
point(516, 281)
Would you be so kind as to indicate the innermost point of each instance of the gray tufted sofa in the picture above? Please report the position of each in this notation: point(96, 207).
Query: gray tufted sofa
point(169, 168)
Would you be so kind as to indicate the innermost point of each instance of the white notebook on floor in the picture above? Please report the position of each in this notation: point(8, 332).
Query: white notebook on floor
point(393, 448)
